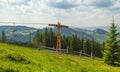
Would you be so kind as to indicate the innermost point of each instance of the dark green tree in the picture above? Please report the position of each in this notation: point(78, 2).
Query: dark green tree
point(75, 43)
point(81, 44)
point(71, 43)
point(3, 36)
point(51, 38)
point(88, 46)
point(97, 49)
point(37, 39)
point(112, 49)
point(64, 42)
point(85, 41)
point(46, 37)
point(30, 38)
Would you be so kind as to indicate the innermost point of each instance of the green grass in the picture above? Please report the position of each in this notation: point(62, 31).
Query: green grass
point(21, 59)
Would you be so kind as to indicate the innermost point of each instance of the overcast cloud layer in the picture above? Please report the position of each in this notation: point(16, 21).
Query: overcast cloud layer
point(77, 13)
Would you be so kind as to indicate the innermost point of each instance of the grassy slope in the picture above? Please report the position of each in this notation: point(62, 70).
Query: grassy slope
point(32, 60)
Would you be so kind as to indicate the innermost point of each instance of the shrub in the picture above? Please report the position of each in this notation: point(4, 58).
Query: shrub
point(18, 58)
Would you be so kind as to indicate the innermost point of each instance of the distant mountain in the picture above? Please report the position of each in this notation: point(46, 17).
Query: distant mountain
point(19, 28)
point(100, 31)
point(106, 28)
point(22, 33)
point(98, 34)
point(9, 29)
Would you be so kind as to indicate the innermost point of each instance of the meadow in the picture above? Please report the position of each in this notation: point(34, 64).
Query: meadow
point(22, 59)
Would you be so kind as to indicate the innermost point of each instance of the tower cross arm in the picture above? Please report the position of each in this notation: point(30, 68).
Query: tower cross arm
point(58, 25)
point(52, 25)
point(64, 26)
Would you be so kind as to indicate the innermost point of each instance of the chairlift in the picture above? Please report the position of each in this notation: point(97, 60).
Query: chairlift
point(13, 34)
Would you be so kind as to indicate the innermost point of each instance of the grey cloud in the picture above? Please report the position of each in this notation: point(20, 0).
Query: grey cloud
point(103, 3)
point(100, 3)
point(62, 5)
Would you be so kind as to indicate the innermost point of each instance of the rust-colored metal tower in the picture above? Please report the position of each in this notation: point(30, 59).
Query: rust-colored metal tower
point(58, 25)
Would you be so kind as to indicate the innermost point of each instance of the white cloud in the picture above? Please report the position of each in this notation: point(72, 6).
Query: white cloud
point(14, 1)
point(117, 3)
point(39, 11)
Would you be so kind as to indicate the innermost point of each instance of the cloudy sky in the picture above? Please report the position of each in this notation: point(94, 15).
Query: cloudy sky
point(77, 13)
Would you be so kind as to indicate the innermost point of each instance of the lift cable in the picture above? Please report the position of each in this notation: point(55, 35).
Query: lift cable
point(30, 23)
point(23, 23)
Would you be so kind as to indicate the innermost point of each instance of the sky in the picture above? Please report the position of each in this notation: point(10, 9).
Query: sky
point(76, 13)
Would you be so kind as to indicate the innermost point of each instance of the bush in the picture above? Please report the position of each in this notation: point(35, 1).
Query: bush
point(7, 70)
point(18, 58)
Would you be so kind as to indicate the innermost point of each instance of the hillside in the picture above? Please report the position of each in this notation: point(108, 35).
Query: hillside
point(20, 59)
point(22, 33)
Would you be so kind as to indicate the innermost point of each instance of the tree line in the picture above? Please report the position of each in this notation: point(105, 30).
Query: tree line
point(48, 38)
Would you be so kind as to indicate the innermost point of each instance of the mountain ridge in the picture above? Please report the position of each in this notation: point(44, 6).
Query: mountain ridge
point(22, 32)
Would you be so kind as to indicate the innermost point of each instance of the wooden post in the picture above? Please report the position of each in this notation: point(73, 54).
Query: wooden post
point(91, 54)
point(67, 49)
point(92, 46)
point(53, 48)
point(80, 53)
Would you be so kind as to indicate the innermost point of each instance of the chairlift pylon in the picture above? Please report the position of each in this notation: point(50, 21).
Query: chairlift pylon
point(14, 29)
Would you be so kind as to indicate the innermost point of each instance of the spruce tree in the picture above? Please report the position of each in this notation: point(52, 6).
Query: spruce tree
point(46, 37)
point(111, 52)
point(71, 43)
point(37, 39)
point(3, 36)
point(85, 45)
point(64, 42)
point(30, 34)
point(51, 38)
